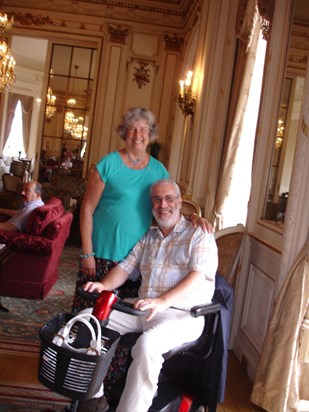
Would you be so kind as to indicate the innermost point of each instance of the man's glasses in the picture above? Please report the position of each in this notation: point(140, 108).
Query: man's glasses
point(168, 199)
point(142, 130)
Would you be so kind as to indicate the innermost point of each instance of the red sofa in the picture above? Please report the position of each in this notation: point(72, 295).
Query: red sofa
point(32, 268)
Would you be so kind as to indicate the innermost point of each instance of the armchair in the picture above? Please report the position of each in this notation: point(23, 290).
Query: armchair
point(32, 268)
point(9, 197)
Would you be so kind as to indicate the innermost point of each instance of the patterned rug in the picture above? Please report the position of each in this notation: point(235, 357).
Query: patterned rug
point(19, 335)
point(20, 326)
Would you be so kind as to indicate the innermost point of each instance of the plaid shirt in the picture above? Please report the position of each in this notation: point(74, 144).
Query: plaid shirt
point(164, 262)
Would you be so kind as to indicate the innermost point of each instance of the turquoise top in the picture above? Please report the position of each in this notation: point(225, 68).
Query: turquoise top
point(123, 214)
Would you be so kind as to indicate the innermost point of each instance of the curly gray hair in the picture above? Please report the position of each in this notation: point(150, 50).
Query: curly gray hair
point(134, 114)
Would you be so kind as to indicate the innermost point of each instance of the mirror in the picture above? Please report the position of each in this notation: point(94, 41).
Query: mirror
point(280, 170)
point(67, 110)
point(284, 149)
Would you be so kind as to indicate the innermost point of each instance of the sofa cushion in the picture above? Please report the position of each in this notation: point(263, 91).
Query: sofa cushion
point(41, 217)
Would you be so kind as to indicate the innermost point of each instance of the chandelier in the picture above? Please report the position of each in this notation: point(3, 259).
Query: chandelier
point(7, 62)
point(50, 105)
point(75, 126)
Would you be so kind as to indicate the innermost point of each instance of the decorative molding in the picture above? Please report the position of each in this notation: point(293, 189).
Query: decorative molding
point(141, 73)
point(173, 42)
point(164, 8)
point(117, 34)
point(29, 19)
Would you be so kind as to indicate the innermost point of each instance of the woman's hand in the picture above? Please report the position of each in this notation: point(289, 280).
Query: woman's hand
point(88, 266)
point(202, 222)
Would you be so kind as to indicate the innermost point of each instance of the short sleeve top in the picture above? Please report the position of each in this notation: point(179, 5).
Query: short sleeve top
point(123, 214)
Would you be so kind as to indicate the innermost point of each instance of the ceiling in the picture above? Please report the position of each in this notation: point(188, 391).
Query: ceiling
point(34, 55)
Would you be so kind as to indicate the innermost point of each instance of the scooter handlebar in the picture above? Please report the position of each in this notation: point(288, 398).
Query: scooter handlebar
point(127, 307)
point(91, 296)
point(120, 305)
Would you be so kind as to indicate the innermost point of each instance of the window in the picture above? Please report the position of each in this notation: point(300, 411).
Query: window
point(14, 146)
point(236, 206)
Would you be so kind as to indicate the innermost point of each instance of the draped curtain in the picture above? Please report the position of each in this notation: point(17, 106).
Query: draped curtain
point(282, 376)
point(12, 103)
point(26, 105)
point(251, 17)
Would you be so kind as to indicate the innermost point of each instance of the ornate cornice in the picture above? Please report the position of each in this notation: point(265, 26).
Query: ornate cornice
point(150, 6)
point(173, 42)
point(117, 34)
point(173, 14)
point(29, 19)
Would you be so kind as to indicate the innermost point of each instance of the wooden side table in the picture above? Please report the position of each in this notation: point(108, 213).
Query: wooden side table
point(5, 253)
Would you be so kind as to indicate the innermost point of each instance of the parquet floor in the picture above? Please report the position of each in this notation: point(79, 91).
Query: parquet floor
point(237, 397)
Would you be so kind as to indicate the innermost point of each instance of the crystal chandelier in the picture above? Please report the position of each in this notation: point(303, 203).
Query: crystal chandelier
point(7, 62)
point(75, 126)
point(50, 105)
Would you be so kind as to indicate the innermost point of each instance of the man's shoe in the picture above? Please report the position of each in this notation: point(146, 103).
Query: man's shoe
point(93, 405)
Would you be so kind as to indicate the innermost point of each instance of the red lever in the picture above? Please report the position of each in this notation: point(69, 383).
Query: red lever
point(103, 305)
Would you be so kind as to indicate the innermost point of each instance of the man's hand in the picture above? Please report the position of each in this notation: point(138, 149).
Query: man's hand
point(152, 305)
point(93, 287)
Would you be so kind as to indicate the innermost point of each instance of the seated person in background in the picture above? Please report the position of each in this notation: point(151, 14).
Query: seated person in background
point(67, 164)
point(177, 263)
point(31, 194)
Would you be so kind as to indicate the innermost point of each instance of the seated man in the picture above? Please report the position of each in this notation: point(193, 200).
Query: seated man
point(177, 263)
point(31, 194)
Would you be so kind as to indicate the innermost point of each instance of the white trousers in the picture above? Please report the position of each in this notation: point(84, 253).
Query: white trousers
point(165, 331)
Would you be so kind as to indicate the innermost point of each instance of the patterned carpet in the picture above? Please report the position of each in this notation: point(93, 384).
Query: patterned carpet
point(19, 335)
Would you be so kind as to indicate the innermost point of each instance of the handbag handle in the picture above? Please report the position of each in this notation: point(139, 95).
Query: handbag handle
point(63, 334)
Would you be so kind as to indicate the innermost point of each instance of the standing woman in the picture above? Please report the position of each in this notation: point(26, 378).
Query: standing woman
point(116, 210)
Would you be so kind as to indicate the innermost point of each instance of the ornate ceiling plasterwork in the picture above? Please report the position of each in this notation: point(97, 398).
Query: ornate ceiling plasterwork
point(172, 14)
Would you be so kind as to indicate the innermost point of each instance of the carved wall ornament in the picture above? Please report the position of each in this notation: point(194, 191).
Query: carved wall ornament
point(141, 74)
point(117, 34)
point(173, 42)
point(28, 19)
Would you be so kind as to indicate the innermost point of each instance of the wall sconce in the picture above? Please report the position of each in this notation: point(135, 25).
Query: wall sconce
point(186, 100)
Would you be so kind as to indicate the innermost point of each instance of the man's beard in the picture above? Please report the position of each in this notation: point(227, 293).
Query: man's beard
point(168, 221)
